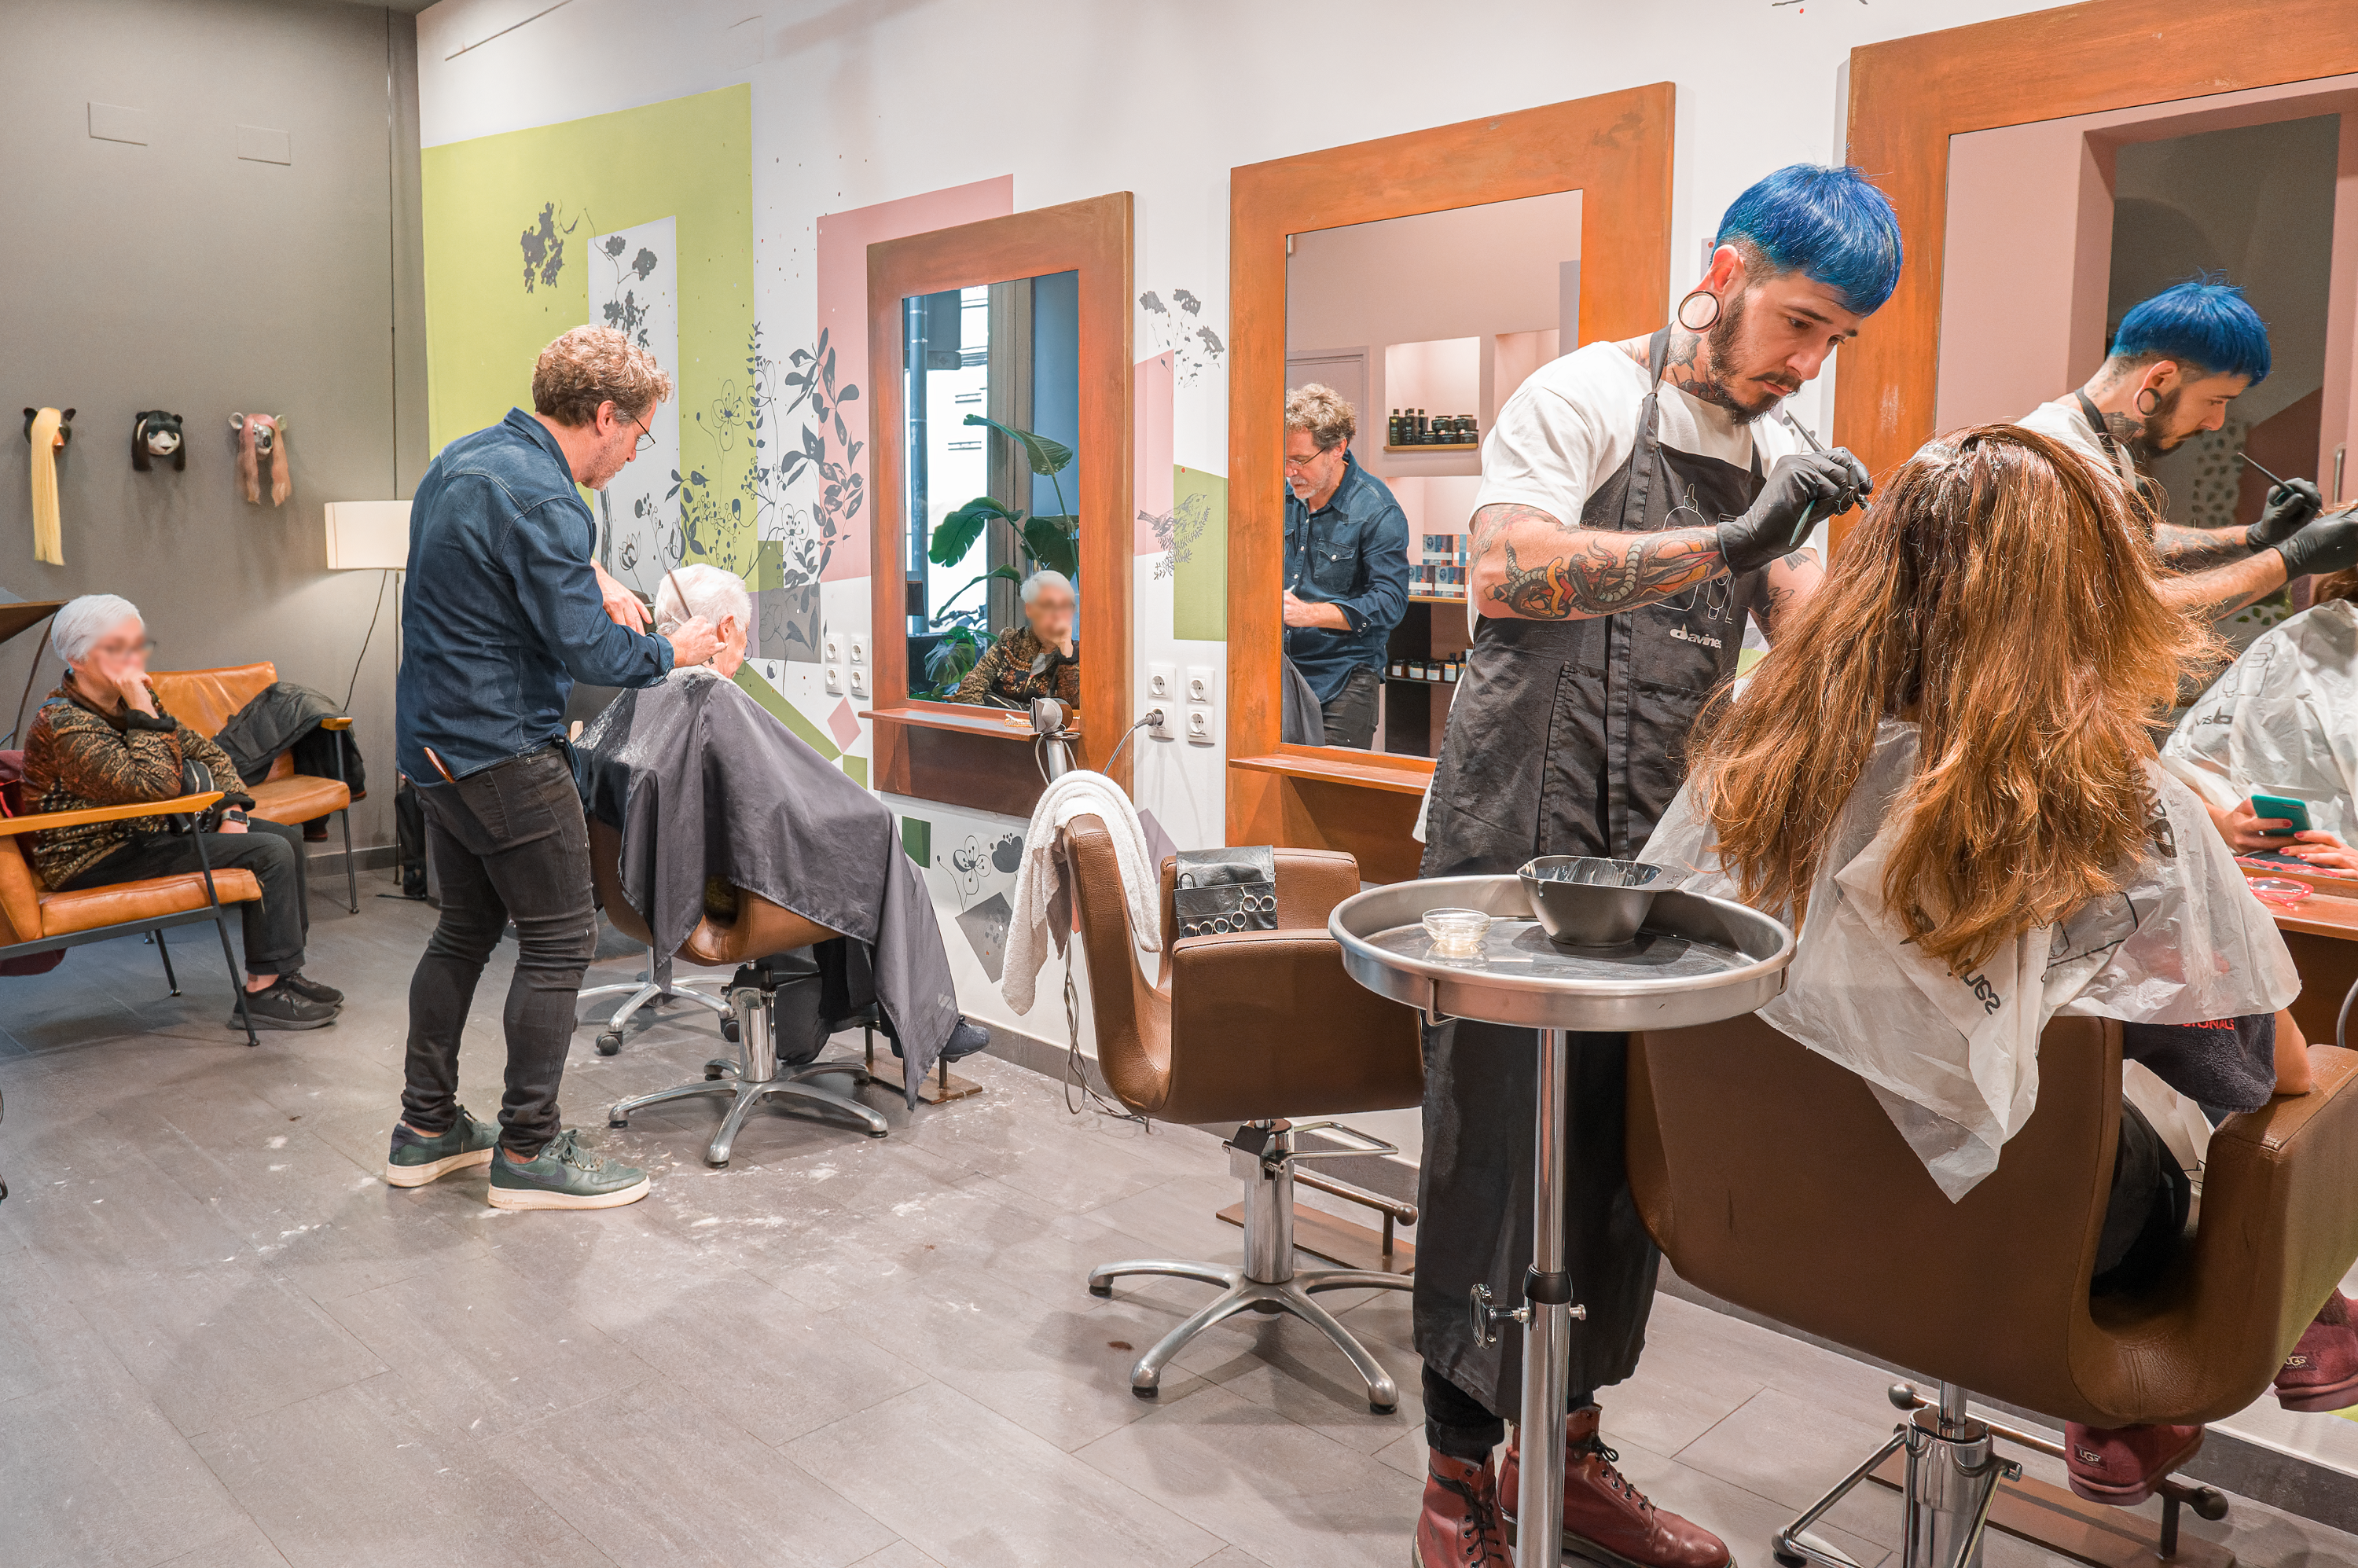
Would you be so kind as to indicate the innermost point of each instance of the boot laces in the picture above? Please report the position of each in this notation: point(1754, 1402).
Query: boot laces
point(1611, 1475)
point(1480, 1531)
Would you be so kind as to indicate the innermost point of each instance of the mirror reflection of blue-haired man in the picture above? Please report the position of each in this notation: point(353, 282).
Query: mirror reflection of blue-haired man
point(2177, 360)
point(1635, 509)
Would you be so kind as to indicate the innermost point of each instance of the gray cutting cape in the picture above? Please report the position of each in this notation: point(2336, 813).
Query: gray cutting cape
point(702, 783)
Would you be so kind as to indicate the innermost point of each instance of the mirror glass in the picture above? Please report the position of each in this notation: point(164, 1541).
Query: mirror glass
point(992, 394)
point(1421, 327)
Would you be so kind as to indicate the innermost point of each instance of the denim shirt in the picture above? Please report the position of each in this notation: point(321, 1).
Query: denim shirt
point(503, 614)
point(1353, 553)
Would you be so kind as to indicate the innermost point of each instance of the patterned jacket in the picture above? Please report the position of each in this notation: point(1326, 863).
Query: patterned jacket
point(1019, 668)
point(76, 757)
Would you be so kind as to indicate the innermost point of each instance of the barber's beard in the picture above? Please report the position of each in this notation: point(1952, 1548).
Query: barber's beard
point(1719, 348)
point(2149, 442)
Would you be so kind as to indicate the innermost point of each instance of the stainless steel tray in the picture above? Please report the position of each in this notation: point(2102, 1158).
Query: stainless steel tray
point(1696, 960)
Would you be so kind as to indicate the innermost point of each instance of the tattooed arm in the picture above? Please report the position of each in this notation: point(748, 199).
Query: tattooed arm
point(2199, 549)
point(1529, 566)
point(2222, 590)
point(1791, 583)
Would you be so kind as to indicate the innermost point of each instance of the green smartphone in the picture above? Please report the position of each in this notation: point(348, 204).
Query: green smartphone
point(2294, 811)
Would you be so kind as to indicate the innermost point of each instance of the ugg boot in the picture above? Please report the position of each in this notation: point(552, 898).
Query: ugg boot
point(2322, 1373)
point(1459, 1527)
point(1605, 1518)
point(2119, 1464)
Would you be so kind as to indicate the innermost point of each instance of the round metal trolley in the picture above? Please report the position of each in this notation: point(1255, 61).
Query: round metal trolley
point(1694, 960)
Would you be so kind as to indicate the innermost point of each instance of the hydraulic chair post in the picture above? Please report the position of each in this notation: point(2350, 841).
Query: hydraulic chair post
point(1547, 1330)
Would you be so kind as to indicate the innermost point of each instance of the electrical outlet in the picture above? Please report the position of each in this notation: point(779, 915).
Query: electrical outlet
point(860, 651)
point(834, 680)
point(1162, 683)
point(1199, 726)
point(831, 649)
point(1199, 684)
point(858, 681)
point(1158, 723)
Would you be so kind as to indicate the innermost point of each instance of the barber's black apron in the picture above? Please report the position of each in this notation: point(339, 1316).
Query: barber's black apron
point(1565, 738)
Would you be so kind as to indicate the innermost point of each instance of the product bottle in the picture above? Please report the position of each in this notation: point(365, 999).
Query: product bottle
point(1421, 428)
point(1392, 431)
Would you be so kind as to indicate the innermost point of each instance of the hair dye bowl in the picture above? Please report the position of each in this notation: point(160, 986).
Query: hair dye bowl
point(1585, 901)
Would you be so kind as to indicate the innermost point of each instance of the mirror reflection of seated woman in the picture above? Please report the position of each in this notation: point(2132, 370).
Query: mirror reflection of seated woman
point(1942, 768)
point(1039, 658)
point(2284, 721)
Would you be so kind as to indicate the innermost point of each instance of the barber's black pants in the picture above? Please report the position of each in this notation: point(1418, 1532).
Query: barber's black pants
point(1351, 713)
point(275, 926)
point(1458, 1424)
point(507, 843)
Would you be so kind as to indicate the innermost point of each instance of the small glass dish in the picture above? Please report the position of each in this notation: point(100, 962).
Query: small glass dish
point(1456, 933)
point(2274, 890)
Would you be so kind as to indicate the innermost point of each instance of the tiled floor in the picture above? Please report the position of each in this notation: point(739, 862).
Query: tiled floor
point(224, 1342)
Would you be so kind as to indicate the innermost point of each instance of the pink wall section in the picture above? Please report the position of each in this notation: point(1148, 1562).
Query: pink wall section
point(1150, 448)
point(843, 242)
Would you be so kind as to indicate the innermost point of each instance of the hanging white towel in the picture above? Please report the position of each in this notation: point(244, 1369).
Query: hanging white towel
point(1042, 905)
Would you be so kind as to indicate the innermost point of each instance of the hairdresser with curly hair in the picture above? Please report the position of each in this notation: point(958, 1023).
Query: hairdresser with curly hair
point(1944, 776)
point(1636, 507)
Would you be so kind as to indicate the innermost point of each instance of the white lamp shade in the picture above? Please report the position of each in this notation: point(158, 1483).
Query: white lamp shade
point(368, 535)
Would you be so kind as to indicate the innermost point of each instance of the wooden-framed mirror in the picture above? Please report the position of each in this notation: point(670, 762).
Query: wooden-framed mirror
point(1381, 247)
point(1001, 428)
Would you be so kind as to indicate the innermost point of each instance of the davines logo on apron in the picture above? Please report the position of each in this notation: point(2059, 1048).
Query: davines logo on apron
point(1684, 635)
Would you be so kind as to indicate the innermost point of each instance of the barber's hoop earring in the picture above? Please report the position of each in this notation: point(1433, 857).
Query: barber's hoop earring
point(1707, 322)
point(2144, 393)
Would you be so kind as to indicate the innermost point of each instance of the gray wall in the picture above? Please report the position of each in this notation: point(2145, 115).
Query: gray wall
point(174, 275)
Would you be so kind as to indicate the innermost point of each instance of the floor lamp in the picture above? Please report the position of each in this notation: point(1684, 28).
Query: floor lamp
point(368, 535)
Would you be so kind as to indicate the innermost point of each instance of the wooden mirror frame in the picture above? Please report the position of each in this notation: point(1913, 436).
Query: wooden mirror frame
point(1614, 148)
point(1907, 97)
point(951, 752)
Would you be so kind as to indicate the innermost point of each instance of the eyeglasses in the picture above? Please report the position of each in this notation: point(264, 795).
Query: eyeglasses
point(1294, 463)
point(646, 437)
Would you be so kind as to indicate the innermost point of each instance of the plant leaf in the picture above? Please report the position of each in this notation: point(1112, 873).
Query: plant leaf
point(847, 394)
point(1051, 545)
point(955, 535)
point(1047, 457)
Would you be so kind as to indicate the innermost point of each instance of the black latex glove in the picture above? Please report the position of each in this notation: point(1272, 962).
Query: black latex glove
point(2290, 506)
point(1803, 491)
point(2328, 545)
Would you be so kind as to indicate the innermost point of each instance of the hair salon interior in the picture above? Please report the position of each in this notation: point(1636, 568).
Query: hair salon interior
point(895, 782)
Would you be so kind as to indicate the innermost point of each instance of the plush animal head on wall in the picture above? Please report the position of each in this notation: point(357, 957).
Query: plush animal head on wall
point(261, 437)
point(156, 434)
point(65, 426)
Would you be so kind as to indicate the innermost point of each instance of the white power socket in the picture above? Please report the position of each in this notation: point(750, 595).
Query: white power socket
point(860, 651)
point(1158, 722)
point(831, 649)
point(1199, 684)
point(834, 680)
point(1199, 726)
point(858, 681)
point(1162, 684)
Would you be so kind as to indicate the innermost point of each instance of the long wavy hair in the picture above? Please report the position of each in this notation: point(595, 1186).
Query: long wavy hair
point(2003, 596)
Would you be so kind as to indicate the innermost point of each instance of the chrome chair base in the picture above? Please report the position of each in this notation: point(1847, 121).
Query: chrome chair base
point(1267, 1282)
point(1952, 1479)
point(757, 1074)
point(659, 986)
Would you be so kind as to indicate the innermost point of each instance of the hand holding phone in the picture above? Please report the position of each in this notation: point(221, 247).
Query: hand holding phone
point(2294, 813)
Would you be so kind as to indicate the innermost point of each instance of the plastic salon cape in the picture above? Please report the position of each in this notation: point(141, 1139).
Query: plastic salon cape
point(1954, 1058)
point(2283, 719)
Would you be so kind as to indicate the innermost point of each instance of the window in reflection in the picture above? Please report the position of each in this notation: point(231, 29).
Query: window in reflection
point(992, 394)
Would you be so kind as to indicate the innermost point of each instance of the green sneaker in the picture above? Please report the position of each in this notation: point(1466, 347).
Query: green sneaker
point(417, 1159)
point(566, 1176)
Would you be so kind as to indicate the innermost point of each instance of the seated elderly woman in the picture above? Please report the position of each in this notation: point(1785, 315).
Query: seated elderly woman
point(1038, 658)
point(102, 739)
point(712, 794)
point(2283, 721)
point(1942, 770)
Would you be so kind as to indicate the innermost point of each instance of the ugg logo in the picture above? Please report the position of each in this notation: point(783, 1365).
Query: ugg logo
point(2292, 1361)
point(2089, 1456)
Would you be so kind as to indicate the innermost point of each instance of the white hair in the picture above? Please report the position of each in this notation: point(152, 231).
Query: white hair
point(1045, 578)
point(80, 625)
point(712, 592)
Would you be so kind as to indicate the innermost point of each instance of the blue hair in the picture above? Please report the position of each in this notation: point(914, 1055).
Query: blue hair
point(1830, 223)
point(2204, 321)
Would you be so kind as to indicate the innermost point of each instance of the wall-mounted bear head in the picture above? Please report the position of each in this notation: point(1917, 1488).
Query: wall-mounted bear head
point(157, 434)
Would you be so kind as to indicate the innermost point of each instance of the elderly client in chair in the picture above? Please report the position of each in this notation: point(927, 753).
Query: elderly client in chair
point(1942, 770)
point(102, 739)
point(712, 795)
point(1039, 658)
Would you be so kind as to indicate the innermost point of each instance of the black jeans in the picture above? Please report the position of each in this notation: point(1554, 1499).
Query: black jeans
point(1351, 713)
point(507, 843)
point(274, 927)
point(1458, 1424)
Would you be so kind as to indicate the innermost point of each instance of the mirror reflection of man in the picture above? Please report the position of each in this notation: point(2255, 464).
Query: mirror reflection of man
point(1346, 563)
point(2177, 360)
point(1635, 508)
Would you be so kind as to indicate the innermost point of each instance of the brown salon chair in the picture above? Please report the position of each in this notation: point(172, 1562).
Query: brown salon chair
point(1772, 1179)
point(1248, 1028)
point(761, 931)
point(205, 700)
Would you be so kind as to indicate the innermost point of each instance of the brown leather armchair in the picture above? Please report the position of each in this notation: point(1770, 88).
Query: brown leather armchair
point(204, 700)
point(761, 930)
point(35, 920)
point(1772, 1179)
point(1251, 1027)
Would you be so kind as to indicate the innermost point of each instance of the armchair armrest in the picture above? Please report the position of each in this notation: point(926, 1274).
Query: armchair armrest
point(341, 721)
point(41, 821)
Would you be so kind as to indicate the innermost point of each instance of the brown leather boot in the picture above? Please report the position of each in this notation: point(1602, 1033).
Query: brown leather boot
point(2322, 1373)
point(1605, 1518)
point(2119, 1464)
point(1459, 1527)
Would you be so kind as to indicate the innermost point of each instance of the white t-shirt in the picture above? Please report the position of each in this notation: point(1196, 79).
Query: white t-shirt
point(1575, 421)
point(2064, 420)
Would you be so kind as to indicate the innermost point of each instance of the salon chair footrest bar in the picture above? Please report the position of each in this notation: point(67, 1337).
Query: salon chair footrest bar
point(2098, 1534)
